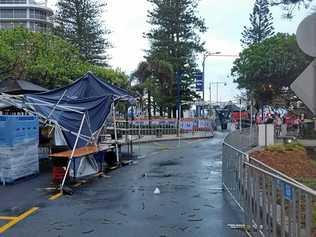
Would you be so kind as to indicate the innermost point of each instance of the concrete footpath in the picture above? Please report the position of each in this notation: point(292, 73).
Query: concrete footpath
point(191, 201)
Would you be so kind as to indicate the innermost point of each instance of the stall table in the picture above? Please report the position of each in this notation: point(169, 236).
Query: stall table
point(80, 152)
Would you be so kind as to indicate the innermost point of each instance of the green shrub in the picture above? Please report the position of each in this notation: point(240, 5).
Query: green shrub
point(281, 148)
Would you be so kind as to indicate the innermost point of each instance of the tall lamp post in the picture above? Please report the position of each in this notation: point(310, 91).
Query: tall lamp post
point(216, 54)
point(205, 56)
point(178, 78)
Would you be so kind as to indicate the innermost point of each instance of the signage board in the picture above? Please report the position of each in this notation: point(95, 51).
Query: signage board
point(199, 80)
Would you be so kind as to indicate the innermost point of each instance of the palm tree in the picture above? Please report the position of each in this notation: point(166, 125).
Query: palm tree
point(143, 74)
point(155, 79)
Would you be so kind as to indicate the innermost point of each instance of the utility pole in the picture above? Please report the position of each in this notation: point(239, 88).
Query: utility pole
point(211, 94)
point(178, 101)
point(205, 56)
point(217, 83)
point(240, 122)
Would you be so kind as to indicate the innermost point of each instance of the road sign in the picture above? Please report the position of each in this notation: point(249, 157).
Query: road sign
point(306, 35)
point(199, 80)
point(288, 192)
point(305, 87)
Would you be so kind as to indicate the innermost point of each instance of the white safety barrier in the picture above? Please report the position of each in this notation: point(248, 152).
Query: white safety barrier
point(161, 127)
point(274, 205)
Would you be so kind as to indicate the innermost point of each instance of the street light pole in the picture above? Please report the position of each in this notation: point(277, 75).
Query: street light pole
point(217, 83)
point(217, 93)
point(211, 94)
point(178, 101)
point(203, 72)
point(205, 56)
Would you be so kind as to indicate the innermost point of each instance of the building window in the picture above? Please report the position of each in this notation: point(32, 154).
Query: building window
point(12, 1)
point(19, 13)
point(20, 24)
point(38, 27)
point(37, 14)
point(32, 13)
point(13, 13)
point(6, 13)
point(6, 25)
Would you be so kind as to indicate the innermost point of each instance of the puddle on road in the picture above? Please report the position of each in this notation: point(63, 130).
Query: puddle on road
point(215, 172)
point(168, 163)
point(159, 175)
point(214, 164)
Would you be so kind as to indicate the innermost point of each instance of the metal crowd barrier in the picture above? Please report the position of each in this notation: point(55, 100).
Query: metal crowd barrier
point(146, 129)
point(273, 204)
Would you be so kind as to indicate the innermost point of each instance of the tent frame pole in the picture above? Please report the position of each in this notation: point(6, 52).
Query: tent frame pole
point(73, 152)
point(54, 108)
point(98, 134)
point(115, 133)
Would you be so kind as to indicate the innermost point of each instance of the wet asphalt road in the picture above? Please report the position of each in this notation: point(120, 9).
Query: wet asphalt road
point(191, 202)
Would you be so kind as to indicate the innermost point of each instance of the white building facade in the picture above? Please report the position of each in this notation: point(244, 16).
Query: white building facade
point(31, 14)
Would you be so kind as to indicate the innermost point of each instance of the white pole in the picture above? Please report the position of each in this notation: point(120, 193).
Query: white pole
point(211, 94)
point(179, 129)
point(115, 134)
point(73, 152)
point(54, 108)
point(240, 123)
point(250, 121)
point(217, 93)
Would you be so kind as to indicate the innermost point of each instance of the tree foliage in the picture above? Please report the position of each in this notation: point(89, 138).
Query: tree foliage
point(289, 2)
point(46, 60)
point(154, 79)
point(79, 22)
point(290, 5)
point(174, 38)
point(261, 27)
point(267, 69)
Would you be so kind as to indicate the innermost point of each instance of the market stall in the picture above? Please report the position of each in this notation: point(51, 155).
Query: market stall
point(79, 110)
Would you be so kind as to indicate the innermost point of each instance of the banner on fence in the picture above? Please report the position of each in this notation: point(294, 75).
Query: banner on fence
point(185, 124)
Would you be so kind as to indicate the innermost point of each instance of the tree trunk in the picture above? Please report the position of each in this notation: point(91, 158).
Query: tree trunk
point(174, 111)
point(126, 111)
point(161, 111)
point(169, 112)
point(155, 108)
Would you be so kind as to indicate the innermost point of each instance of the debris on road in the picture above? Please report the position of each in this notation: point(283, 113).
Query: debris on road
point(106, 221)
point(183, 228)
point(126, 162)
point(67, 191)
point(122, 213)
point(157, 191)
point(87, 232)
point(193, 220)
point(210, 206)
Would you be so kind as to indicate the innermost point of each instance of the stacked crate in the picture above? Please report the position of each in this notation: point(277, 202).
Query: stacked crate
point(19, 137)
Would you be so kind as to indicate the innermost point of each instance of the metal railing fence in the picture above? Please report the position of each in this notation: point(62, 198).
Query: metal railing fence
point(163, 127)
point(273, 204)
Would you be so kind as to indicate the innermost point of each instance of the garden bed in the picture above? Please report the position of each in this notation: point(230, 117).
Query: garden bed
point(292, 160)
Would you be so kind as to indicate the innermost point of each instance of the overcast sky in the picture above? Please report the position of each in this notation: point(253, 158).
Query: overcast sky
point(225, 20)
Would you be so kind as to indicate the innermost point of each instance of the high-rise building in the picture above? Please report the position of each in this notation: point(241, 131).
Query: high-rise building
point(32, 14)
